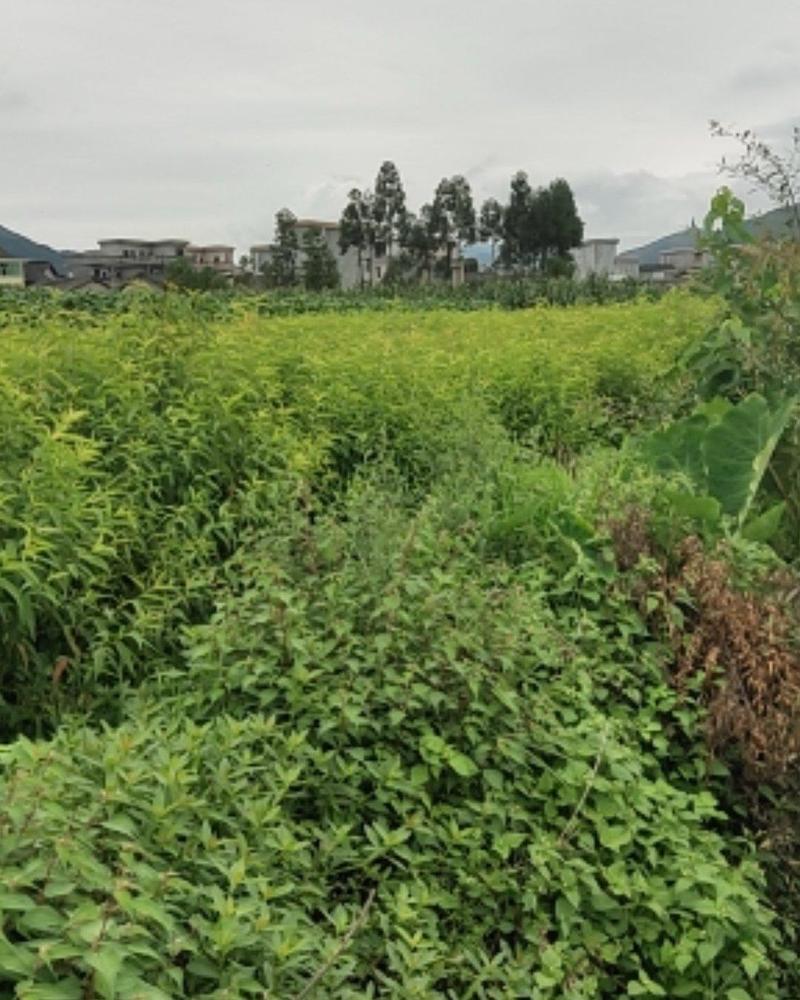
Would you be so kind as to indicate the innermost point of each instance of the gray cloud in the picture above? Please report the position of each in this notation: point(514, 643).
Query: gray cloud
point(766, 78)
point(13, 101)
point(188, 118)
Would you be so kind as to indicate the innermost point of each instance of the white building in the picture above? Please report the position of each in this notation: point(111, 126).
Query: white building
point(119, 260)
point(595, 257)
point(155, 250)
point(685, 260)
point(12, 272)
point(217, 256)
point(351, 274)
point(626, 267)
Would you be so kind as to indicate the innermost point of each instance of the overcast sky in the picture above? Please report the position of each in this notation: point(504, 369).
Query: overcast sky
point(200, 118)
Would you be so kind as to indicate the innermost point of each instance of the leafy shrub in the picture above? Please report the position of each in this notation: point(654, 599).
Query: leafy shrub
point(392, 777)
point(144, 444)
point(350, 697)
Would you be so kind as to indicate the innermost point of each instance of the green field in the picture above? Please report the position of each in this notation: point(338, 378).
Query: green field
point(336, 662)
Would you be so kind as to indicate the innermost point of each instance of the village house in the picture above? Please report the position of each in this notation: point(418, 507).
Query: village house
point(685, 260)
point(626, 266)
point(217, 256)
point(23, 262)
point(12, 272)
point(596, 256)
point(118, 261)
point(351, 275)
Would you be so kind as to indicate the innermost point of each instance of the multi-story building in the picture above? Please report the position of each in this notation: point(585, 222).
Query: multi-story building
point(260, 256)
point(149, 250)
point(352, 271)
point(118, 261)
point(217, 256)
point(626, 266)
point(685, 260)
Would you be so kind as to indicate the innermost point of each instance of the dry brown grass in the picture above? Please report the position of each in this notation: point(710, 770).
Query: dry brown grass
point(739, 645)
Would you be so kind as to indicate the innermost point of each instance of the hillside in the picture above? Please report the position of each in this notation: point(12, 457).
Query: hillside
point(774, 223)
point(16, 245)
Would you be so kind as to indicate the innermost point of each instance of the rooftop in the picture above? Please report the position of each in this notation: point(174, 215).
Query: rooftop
point(141, 243)
point(315, 224)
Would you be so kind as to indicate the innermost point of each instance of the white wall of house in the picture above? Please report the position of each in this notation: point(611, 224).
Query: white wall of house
point(142, 249)
point(685, 258)
point(12, 272)
point(626, 267)
point(170, 248)
point(121, 248)
point(217, 256)
point(595, 257)
point(260, 255)
point(347, 263)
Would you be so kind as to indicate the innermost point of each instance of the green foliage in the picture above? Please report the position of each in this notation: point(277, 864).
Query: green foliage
point(753, 347)
point(452, 216)
point(539, 227)
point(490, 224)
point(389, 206)
point(338, 688)
point(182, 274)
point(377, 713)
point(725, 450)
point(319, 264)
point(34, 306)
point(281, 271)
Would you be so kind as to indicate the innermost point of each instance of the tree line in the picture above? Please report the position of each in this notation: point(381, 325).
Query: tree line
point(532, 232)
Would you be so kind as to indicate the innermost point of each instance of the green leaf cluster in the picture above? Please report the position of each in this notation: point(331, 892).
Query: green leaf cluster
point(319, 676)
point(724, 450)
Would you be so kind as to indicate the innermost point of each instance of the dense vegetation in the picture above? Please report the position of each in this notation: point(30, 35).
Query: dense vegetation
point(488, 293)
point(409, 653)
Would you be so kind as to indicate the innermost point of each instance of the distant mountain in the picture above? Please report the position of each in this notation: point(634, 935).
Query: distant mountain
point(774, 223)
point(482, 252)
point(15, 245)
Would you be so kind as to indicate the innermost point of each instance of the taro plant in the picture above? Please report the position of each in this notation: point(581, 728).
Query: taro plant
point(723, 450)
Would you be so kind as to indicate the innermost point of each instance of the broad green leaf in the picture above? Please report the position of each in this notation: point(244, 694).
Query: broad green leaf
point(16, 901)
point(751, 964)
point(707, 951)
point(724, 450)
point(121, 823)
point(737, 451)
point(461, 764)
point(43, 919)
point(15, 960)
point(700, 507)
point(106, 961)
point(764, 527)
point(613, 836)
point(679, 448)
point(64, 989)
